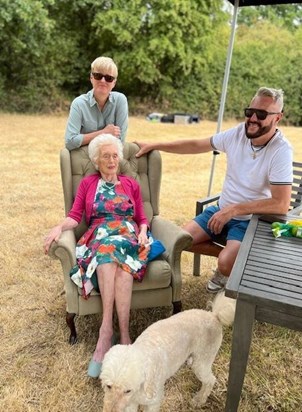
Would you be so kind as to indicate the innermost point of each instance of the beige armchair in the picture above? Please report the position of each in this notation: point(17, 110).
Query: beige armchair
point(162, 283)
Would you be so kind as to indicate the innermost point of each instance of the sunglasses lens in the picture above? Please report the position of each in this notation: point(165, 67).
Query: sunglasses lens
point(99, 76)
point(108, 78)
point(261, 114)
point(248, 113)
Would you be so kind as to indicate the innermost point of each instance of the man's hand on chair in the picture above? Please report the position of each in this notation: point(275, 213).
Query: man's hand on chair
point(144, 148)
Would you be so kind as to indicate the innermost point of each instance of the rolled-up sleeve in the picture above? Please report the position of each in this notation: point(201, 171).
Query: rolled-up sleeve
point(121, 117)
point(73, 137)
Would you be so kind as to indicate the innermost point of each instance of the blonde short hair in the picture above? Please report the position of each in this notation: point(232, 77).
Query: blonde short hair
point(104, 65)
point(275, 94)
point(98, 142)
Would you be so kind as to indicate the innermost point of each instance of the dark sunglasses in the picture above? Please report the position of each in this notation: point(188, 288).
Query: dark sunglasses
point(99, 76)
point(261, 114)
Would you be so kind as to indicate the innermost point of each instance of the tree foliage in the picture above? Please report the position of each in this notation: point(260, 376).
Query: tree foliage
point(266, 55)
point(158, 44)
point(281, 15)
point(171, 53)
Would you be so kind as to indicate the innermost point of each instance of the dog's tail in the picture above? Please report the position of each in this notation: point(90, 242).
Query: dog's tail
point(224, 309)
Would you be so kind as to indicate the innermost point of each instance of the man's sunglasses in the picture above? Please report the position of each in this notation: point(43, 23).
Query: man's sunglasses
point(99, 76)
point(261, 114)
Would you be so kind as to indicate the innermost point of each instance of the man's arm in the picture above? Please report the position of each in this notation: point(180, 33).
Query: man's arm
point(277, 204)
point(191, 146)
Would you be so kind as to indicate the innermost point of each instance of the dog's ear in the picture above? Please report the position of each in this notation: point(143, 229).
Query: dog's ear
point(152, 378)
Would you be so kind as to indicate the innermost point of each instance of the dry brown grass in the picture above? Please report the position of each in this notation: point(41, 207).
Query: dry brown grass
point(39, 370)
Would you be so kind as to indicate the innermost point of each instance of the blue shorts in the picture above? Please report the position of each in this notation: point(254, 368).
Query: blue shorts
point(233, 230)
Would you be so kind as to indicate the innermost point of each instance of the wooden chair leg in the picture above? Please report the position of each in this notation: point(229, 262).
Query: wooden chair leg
point(73, 333)
point(206, 248)
point(177, 306)
point(196, 265)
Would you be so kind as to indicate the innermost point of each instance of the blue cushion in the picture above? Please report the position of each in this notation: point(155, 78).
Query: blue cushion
point(156, 247)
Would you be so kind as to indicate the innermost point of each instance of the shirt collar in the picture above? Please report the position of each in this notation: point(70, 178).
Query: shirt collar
point(92, 100)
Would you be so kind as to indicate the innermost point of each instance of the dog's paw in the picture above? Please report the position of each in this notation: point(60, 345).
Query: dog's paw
point(199, 399)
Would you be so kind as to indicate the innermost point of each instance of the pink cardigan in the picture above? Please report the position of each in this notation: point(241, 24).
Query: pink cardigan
point(86, 193)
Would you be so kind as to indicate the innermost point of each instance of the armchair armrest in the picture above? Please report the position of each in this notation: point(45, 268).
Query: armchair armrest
point(201, 203)
point(175, 240)
point(64, 250)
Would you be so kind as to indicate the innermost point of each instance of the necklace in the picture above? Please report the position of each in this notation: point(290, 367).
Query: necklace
point(108, 185)
point(259, 148)
point(255, 151)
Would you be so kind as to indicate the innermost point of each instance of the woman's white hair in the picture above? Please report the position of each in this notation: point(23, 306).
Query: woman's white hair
point(96, 144)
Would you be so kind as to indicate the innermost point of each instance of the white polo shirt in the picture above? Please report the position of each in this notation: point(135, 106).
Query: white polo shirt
point(250, 173)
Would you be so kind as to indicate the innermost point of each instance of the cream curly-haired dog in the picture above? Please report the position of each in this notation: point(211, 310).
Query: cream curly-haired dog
point(134, 375)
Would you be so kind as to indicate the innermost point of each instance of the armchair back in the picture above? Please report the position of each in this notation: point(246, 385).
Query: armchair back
point(146, 170)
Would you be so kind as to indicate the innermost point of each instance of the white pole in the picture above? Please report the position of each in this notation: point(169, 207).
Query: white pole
point(224, 87)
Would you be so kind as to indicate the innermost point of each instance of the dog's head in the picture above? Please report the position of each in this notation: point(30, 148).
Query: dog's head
point(122, 377)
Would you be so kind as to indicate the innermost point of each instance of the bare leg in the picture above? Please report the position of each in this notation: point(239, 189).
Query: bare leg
point(227, 257)
point(123, 294)
point(202, 242)
point(106, 280)
point(197, 233)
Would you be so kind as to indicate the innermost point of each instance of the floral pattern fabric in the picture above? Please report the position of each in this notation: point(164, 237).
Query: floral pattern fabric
point(111, 237)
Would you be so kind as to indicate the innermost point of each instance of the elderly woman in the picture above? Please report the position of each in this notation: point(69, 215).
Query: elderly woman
point(101, 110)
point(113, 251)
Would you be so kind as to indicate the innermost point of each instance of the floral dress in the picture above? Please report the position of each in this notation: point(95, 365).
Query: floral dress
point(111, 237)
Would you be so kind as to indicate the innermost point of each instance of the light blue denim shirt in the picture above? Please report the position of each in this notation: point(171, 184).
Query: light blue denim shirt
point(86, 117)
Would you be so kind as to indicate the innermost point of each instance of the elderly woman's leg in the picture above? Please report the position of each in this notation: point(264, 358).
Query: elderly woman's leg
point(123, 294)
point(106, 281)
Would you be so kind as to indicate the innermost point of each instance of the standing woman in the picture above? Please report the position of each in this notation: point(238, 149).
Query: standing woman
point(100, 110)
point(113, 251)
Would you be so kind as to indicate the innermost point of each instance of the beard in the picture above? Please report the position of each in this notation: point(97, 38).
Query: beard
point(262, 130)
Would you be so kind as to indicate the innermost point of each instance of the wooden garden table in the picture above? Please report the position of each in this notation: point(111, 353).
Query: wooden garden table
point(266, 280)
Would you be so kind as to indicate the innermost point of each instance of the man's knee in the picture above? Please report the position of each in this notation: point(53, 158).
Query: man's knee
point(198, 234)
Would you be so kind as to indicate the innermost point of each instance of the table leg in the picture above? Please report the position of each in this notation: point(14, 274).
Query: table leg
point(241, 342)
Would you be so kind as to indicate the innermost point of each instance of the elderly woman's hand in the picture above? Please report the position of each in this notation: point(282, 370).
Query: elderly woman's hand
point(53, 235)
point(142, 238)
point(142, 235)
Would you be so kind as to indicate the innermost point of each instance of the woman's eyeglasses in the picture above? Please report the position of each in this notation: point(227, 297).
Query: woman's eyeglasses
point(261, 114)
point(99, 76)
